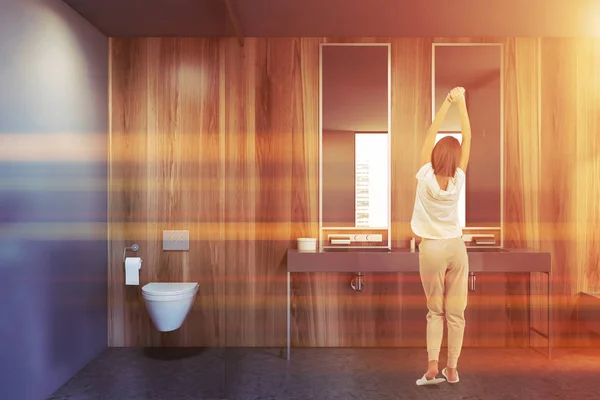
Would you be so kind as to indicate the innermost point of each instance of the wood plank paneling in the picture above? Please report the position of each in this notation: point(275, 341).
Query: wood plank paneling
point(223, 141)
point(265, 306)
point(551, 114)
point(586, 269)
point(166, 201)
point(559, 106)
point(170, 156)
point(522, 158)
point(521, 143)
point(587, 160)
point(128, 322)
point(272, 144)
point(240, 186)
point(200, 195)
point(305, 173)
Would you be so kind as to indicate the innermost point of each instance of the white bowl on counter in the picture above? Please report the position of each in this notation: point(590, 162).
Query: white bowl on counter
point(307, 244)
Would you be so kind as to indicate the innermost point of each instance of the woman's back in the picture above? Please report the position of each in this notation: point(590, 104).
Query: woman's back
point(435, 214)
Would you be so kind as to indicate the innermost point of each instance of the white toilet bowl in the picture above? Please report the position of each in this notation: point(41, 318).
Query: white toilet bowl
point(168, 303)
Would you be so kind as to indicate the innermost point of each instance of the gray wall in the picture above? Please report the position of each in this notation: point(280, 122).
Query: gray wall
point(53, 185)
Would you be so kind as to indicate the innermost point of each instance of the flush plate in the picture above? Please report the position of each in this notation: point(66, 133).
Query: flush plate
point(176, 240)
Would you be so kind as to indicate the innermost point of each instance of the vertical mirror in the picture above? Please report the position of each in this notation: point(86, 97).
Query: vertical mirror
point(477, 68)
point(355, 145)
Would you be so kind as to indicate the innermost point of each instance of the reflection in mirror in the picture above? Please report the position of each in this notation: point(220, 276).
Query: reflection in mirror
point(355, 189)
point(477, 68)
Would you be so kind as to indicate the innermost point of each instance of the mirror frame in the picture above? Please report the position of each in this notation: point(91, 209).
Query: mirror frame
point(389, 124)
point(500, 46)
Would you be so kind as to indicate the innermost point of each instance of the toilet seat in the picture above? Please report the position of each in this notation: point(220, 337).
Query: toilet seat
point(169, 291)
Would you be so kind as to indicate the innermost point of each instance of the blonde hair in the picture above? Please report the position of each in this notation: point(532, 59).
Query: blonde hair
point(446, 156)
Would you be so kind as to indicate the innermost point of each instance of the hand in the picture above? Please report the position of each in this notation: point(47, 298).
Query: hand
point(456, 95)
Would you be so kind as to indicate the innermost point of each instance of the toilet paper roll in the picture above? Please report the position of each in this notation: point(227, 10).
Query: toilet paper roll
point(132, 270)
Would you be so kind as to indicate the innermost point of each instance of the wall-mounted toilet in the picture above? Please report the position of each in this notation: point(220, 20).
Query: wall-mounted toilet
point(168, 303)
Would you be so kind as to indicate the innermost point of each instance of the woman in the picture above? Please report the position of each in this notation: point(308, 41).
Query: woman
point(443, 262)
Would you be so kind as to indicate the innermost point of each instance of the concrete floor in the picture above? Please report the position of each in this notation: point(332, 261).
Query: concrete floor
point(322, 374)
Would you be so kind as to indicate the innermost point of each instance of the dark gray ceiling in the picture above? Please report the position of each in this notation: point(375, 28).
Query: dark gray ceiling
point(533, 18)
point(131, 18)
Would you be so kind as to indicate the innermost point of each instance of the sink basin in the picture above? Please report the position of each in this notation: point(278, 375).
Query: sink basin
point(486, 250)
point(355, 249)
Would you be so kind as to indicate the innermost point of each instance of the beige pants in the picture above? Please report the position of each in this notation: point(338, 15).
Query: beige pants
point(444, 269)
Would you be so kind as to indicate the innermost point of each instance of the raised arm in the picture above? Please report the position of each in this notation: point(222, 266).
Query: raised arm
point(435, 127)
point(465, 127)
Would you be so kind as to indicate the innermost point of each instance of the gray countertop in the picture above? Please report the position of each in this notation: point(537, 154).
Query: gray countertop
point(403, 260)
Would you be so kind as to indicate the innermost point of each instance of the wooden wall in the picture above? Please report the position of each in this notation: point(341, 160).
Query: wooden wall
point(223, 141)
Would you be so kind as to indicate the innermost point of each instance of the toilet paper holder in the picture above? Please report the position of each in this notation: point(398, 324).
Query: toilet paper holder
point(134, 247)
